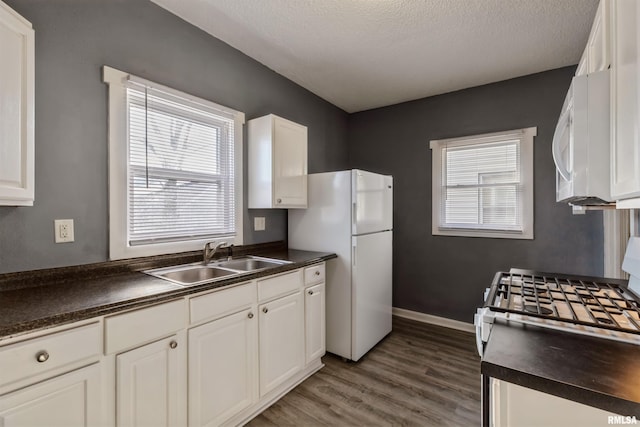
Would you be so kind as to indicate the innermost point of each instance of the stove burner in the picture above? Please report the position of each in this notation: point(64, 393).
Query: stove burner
point(530, 293)
point(604, 320)
point(533, 309)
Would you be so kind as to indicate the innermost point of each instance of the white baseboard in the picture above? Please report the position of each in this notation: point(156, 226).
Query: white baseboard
point(434, 320)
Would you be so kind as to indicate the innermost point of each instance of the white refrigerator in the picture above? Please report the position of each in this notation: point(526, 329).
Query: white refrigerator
point(350, 213)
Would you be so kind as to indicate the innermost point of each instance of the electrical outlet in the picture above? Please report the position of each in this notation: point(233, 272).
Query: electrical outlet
point(258, 223)
point(63, 229)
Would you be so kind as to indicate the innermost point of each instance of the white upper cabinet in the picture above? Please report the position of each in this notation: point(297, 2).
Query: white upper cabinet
point(16, 109)
point(625, 86)
point(599, 43)
point(277, 163)
point(597, 53)
point(583, 65)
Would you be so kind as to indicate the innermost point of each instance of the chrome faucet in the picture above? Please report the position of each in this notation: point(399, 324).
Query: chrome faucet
point(209, 251)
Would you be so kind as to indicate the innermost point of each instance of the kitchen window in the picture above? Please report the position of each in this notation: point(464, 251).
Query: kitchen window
point(175, 169)
point(483, 185)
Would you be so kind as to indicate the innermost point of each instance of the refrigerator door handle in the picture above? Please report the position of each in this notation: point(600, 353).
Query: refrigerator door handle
point(353, 255)
point(354, 213)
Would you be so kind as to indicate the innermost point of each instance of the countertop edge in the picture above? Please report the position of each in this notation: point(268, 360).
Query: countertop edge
point(571, 392)
point(595, 371)
point(61, 319)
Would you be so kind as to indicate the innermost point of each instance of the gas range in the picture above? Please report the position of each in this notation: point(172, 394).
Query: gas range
point(601, 307)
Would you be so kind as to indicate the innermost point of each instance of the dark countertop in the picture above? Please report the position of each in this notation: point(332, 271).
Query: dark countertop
point(42, 299)
point(594, 371)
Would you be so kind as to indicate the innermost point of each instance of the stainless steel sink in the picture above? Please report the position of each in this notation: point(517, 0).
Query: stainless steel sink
point(251, 263)
point(188, 275)
point(196, 274)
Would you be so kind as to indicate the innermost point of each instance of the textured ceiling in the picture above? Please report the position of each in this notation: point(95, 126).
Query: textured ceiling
point(363, 54)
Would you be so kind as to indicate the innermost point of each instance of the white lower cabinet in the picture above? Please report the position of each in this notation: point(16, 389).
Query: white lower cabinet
point(281, 340)
point(149, 351)
point(314, 322)
point(150, 382)
point(70, 400)
point(223, 368)
point(511, 406)
point(216, 358)
point(53, 379)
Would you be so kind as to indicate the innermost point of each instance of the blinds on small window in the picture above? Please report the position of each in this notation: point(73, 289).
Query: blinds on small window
point(181, 168)
point(482, 186)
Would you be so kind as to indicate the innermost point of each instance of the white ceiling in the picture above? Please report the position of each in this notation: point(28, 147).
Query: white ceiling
point(363, 54)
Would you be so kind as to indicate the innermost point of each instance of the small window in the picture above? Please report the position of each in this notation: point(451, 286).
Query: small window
point(175, 177)
point(483, 185)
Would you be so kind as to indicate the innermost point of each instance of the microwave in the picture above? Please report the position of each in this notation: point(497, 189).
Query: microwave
point(581, 142)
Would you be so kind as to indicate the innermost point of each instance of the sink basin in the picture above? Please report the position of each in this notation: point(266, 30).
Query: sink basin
point(251, 263)
point(196, 274)
point(192, 274)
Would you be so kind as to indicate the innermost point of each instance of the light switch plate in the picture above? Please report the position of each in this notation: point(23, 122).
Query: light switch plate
point(258, 223)
point(63, 229)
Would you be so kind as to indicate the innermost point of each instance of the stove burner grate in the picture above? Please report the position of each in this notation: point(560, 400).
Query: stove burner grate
point(581, 301)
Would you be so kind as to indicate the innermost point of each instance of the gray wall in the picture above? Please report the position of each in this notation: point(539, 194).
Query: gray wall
point(446, 276)
point(74, 38)
point(440, 275)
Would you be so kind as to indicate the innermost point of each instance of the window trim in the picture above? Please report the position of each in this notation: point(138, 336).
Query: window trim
point(526, 137)
point(119, 247)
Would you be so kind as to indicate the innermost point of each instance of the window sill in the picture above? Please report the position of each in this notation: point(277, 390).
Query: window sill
point(492, 234)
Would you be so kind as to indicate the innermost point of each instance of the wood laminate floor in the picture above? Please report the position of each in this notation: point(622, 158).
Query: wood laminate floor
point(419, 375)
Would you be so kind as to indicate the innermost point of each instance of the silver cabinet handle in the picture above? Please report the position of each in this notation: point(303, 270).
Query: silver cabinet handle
point(42, 356)
point(173, 344)
point(265, 310)
point(317, 273)
point(250, 315)
point(310, 292)
point(279, 201)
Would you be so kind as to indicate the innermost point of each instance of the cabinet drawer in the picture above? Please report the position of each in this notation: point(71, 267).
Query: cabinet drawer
point(279, 285)
point(137, 327)
point(314, 274)
point(20, 361)
point(225, 301)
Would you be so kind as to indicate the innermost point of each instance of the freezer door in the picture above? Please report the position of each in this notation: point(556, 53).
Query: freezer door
point(371, 291)
point(372, 202)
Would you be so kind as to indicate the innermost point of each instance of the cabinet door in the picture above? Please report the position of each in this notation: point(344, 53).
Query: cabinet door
point(281, 340)
point(583, 65)
point(314, 322)
point(16, 109)
point(598, 43)
point(223, 368)
point(151, 384)
point(625, 138)
point(69, 400)
point(289, 164)
point(511, 406)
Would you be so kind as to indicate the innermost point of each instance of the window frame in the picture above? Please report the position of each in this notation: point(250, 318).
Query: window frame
point(119, 247)
point(526, 138)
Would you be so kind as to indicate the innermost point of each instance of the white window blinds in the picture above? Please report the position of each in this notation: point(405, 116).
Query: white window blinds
point(180, 168)
point(481, 185)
